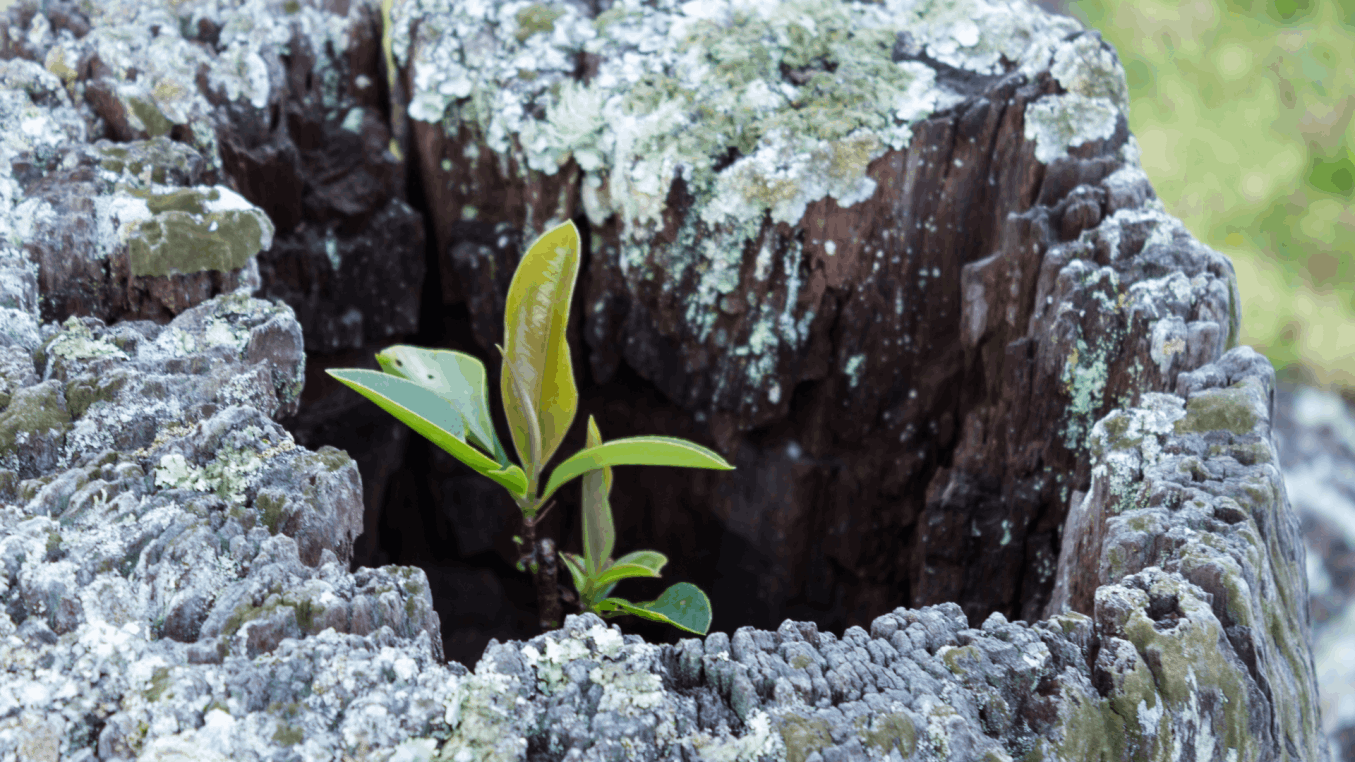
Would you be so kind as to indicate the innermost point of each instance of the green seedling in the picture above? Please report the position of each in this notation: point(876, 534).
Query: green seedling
point(443, 395)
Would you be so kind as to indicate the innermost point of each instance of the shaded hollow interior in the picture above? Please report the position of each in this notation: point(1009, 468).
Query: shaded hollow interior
point(430, 511)
point(949, 485)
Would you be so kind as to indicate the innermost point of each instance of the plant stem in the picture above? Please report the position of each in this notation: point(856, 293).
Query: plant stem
point(547, 596)
point(542, 561)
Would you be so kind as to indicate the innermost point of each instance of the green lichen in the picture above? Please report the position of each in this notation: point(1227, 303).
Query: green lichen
point(1059, 122)
point(229, 472)
point(1091, 730)
point(270, 505)
point(414, 590)
point(159, 683)
point(888, 731)
point(803, 736)
point(83, 392)
point(853, 370)
point(195, 229)
point(537, 17)
point(226, 475)
point(1085, 375)
point(305, 611)
point(143, 160)
point(938, 718)
point(287, 733)
point(953, 656)
point(1219, 410)
point(33, 411)
point(478, 710)
point(1185, 660)
point(152, 120)
point(56, 64)
point(76, 341)
point(1118, 426)
point(332, 458)
point(626, 691)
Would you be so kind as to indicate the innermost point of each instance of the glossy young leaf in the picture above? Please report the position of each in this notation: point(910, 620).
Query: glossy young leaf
point(599, 533)
point(455, 375)
point(652, 559)
point(575, 565)
point(683, 605)
point(634, 451)
point(535, 316)
point(431, 415)
point(588, 592)
point(647, 563)
point(517, 402)
point(617, 572)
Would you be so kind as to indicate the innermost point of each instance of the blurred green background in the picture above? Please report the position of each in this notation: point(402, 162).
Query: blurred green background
point(1243, 113)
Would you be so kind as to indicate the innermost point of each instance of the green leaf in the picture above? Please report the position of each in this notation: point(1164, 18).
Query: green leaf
point(652, 559)
point(617, 572)
point(683, 605)
point(517, 402)
point(431, 415)
point(457, 376)
point(634, 451)
point(535, 317)
point(576, 570)
point(599, 533)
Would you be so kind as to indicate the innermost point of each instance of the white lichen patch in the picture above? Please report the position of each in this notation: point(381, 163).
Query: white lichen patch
point(1167, 340)
point(977, 36)
point(1129, 440)
point(480, 710)
point(1096, 95)
point(1059, 122)
point(35, 129)
point(760, 742)
point(227, 475)
point(626, 691)
point(549, 665)
point(116, 217)
point(1086, 369)
point(1087, 67)
point(77, 342)
point(172, 342)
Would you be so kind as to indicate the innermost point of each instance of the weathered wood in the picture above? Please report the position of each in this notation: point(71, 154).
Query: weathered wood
point(898, 263)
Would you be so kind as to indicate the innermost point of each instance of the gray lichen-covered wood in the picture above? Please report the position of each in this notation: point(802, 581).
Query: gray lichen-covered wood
point(897, 260)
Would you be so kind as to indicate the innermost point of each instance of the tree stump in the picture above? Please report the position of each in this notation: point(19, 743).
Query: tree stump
point(897, 263)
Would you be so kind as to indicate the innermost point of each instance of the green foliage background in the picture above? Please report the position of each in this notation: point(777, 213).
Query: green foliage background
point(1243, 113)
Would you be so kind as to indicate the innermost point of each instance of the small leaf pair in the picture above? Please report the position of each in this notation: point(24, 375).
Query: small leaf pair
point(443, 395)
